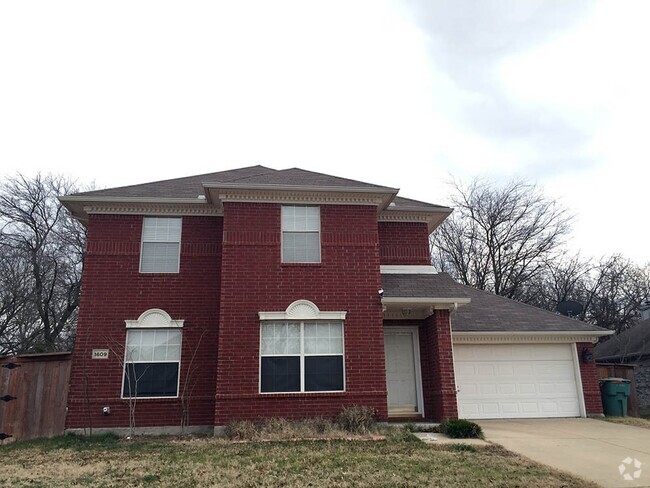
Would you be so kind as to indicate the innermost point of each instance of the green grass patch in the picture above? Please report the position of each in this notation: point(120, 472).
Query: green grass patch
point(400, 460)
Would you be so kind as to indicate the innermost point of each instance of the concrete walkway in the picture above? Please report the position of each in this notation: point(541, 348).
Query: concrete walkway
point(592, 449)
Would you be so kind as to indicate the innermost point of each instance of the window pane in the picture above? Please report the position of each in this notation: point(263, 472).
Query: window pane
point(280, 338)
point(323, 338)
point(280, 374)
point(158, 257)
point(288, 215)
point(297, 219)
point(150, 380)
point(161, 229)
point(153, 345)
point(301, 247)
point(323, 373)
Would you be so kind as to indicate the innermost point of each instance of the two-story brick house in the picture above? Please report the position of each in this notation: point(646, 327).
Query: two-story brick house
point(256, 292)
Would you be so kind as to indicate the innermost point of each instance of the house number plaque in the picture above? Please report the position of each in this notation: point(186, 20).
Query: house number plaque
point(100, 353)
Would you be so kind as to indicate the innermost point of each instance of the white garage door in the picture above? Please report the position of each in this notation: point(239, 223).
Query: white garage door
point(516, 381)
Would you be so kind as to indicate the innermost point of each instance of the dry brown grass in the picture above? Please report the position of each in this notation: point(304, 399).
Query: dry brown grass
point(401, 460)
point(634, 421)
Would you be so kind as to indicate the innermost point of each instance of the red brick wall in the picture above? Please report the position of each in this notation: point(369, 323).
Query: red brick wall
point(590, 385)
point(254, 279)
point(438, 380)
point(114, 291)
point(404, 243)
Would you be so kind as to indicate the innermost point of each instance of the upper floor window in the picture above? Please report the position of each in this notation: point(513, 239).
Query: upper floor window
point(300, 234)
point(161, 245)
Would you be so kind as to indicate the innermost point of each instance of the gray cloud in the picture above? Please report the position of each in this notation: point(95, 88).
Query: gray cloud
point(468, 38)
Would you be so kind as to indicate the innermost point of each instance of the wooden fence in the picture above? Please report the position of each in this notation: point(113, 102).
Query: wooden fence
point(33, 395)
point(617, 370)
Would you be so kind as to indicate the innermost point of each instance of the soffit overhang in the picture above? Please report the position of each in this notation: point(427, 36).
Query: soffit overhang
point(215, 194)
point(417, 308)
point(220, 193)
point(510, 337)
point(432, 217)
point(81, 207)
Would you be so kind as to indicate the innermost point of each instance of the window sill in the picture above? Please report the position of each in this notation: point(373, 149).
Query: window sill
point(149, 399)
point(298, 394)
point(171, 273)
point(301, 265)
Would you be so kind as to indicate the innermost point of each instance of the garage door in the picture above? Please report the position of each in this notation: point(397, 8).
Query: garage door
point(516, 381)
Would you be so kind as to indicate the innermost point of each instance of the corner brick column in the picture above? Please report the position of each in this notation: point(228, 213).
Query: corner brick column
point(590, 386)
point(438, 368)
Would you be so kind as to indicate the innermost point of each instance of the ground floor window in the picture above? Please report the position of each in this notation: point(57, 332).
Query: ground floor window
point(151, 363)
point(301, 356)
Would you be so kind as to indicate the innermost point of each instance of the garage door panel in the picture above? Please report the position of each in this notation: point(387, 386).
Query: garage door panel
point(530, 408)
point(507, 389)
point(516, 381)
point(488, 389)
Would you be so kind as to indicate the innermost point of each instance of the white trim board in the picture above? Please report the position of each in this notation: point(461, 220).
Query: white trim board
point(406, 269)
point(526, 337)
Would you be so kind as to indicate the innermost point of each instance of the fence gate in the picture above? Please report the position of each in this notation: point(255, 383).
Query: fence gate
point(33, 395)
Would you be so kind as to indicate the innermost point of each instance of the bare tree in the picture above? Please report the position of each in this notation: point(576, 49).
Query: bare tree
point(188, 384)
point(617, 290)
point(499, 237)
point(563, 278)
point(132, 378)
point(42, 250)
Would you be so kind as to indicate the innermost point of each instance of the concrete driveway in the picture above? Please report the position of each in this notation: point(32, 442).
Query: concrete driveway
point(592, 449)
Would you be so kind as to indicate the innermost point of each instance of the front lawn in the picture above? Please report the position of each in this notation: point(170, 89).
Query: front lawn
point(401, 460)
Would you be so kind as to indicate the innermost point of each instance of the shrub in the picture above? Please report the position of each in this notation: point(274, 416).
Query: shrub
point(461, 429)
point(357, 419)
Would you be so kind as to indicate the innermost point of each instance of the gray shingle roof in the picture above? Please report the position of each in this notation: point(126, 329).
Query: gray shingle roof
point(187, 187)
point(297, 176)
point(421, 285)
point(192, 186)
point(631, 342)
point(402, 203)
point(492, 313)
point(486, 312)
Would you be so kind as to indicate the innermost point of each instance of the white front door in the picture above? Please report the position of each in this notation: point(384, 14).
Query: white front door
point(401, 348)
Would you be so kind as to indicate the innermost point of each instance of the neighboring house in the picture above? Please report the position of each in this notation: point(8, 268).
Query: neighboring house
point(632, 346)
point(254, 293)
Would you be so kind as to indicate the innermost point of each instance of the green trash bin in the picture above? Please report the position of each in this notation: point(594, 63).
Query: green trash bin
point(614, 393)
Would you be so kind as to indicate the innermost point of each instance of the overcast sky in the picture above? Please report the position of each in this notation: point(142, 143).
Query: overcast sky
point(406, 94)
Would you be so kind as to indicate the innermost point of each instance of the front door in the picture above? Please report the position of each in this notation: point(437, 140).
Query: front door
point(401, 347)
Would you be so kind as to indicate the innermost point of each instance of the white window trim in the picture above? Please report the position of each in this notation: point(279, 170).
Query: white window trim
point(320, 244)
point(142, 242)
point(153, 318)
point(302, 310)
point(302, 356)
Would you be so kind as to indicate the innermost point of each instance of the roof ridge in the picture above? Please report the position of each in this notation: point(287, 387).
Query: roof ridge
point(334, 176)
point(270, 170)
